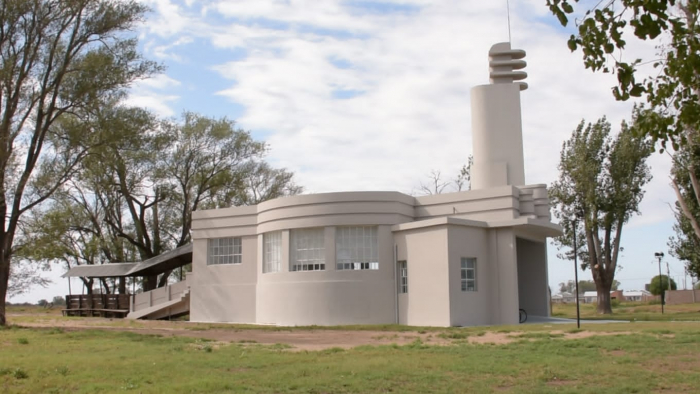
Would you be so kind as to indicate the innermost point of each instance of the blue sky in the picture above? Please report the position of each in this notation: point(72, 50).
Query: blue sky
point(365, 95)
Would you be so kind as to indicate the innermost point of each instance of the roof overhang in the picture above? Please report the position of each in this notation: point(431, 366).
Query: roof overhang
point(530, 225)
point(156, 265)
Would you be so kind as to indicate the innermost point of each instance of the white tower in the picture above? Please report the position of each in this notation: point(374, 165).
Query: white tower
point(497, 134)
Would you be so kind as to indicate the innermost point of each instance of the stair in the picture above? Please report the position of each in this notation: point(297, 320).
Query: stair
point(178, 306)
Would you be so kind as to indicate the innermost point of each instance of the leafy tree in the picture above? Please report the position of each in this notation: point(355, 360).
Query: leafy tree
point(599, 189)
point(671, 92)
point(42, 302)
point(59, 60)
point(659, 284)
point(133, 197)
point(685, 245)
point(58, 300)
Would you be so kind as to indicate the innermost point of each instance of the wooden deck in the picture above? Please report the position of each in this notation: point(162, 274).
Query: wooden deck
point(97, 305)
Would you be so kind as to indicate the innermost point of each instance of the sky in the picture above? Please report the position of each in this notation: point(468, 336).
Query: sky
point(374, 95)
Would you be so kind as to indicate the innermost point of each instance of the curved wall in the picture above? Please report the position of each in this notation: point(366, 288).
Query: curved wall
point(243, 293)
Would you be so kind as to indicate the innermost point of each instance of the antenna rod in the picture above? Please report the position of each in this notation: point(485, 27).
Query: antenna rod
point(508, 7)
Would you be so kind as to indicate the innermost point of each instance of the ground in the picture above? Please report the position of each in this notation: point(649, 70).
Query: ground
point(45, 352)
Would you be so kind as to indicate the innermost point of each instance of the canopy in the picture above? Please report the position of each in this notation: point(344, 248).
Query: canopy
point(156, 265)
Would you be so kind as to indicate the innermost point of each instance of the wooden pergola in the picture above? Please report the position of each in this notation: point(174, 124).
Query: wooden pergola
point(119, 305)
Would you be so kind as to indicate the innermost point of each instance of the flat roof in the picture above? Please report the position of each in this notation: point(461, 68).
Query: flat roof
point(101, 271)
point(156, 265)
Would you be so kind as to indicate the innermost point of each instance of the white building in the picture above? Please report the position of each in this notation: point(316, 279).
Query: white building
point(458, 259)
point(468, 258)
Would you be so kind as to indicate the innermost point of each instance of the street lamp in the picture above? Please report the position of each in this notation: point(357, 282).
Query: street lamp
point(578, 311)
point(659, 255)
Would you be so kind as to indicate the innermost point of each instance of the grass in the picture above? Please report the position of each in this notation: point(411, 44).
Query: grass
point(632, 311)
point(660, 356)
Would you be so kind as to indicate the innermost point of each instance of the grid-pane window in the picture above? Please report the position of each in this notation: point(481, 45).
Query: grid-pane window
point(272, 251)
point(468, 271)
point(224, 251)
point(356, 248)
point(403, 277)
point(307, 251)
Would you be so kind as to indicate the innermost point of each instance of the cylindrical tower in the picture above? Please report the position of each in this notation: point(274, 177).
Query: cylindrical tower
point(497, 134)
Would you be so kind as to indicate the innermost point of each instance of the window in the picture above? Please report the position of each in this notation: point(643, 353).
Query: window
point(272, 251)
point(468, 274)
point(356, 248)
point(307, 250)
point(403, 277)
point(224, 251)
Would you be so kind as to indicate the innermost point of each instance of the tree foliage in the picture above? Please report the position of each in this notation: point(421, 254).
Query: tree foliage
point(661, 283)
point(59, 60)
point(598, 190)
point(685, 245)
point(132, 198)
point(672, 91)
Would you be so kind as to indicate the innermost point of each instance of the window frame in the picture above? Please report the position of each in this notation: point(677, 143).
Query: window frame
point(225, 254)
point(271, 240)
point(402, 276)
point(305, 242)
point(464, 271)
point(361, 256)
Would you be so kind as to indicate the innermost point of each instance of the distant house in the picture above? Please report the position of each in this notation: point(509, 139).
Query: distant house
point(637, 295)
point(590, 297)
point(563, 298)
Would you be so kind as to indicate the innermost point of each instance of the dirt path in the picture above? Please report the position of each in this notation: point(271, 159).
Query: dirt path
point(298, 339)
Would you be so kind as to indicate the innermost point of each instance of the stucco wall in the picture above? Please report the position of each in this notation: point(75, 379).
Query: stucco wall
point(224, 293)
point(426, 254)
point(330, 297)
point(469, 308)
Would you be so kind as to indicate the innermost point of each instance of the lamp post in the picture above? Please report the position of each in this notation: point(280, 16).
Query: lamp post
point(659, 255)
point(578, 312)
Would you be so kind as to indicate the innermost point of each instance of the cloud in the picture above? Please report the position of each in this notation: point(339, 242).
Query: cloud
point(354, 95)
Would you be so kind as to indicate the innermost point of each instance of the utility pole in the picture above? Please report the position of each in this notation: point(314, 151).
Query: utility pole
point(659, 255)
point(578, 311)
point(668, 276)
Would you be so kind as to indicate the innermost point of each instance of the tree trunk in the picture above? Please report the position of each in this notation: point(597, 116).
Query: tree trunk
point(604, 307)
point(150, 282)
point(4, 283)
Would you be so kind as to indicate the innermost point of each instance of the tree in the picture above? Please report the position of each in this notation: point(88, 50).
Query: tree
point(59, 301)
point(59, 60)
point(671, 92)
point(438, 185)
point(660, 284)
point(685, 245)
point(599, 189)
point(132, 198)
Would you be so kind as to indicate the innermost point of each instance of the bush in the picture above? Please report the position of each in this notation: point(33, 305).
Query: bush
point(614, 303)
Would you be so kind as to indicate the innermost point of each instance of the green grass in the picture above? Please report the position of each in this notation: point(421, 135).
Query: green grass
point(632, 311)
point(661, 356)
